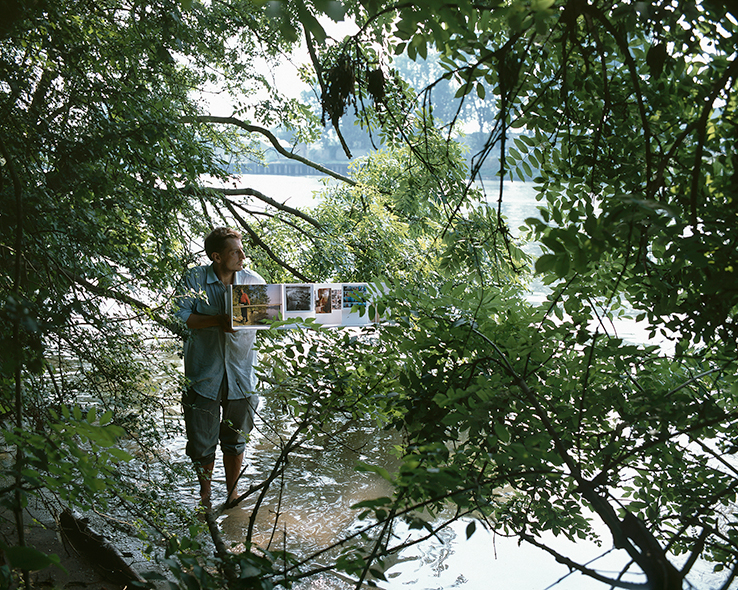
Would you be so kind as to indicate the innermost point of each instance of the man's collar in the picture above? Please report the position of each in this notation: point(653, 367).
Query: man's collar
point(210, 276)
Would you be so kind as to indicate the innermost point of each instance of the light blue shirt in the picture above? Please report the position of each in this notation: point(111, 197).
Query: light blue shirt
point(210, 353)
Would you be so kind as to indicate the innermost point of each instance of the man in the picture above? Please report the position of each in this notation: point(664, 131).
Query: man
point(219, 363)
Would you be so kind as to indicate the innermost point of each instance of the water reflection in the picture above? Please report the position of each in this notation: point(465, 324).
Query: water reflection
point(308, 508)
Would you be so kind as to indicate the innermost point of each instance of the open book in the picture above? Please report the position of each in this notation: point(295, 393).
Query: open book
point(329, 304)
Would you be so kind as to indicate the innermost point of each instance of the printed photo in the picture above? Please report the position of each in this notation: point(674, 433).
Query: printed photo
point(255, 305)
point(354, 295)
point(298, 297)
point(323, 302)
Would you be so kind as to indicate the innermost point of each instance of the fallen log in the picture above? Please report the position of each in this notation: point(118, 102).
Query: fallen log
point(97, 549)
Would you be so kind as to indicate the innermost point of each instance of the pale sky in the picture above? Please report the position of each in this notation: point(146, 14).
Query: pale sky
point(285, 75)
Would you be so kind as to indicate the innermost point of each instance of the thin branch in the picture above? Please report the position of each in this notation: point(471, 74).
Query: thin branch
point(731, 72)
point(172, 326)
point(622, 43)
point(693, 379)
point(269, 201)
point(259, 242)
point(583, 569)
point(273, 140)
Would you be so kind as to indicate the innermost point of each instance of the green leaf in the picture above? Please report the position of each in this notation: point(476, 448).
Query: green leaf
point(28, 558)
point(562, 265)
point(545, 263)
point(502, 433)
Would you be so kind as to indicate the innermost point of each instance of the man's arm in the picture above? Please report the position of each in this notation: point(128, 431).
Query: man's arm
point(191, 290)
point(196, 321)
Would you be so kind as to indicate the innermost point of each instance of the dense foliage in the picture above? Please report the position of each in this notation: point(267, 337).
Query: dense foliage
point(102, 168)
point(532, 418)
point(629, 115)
point(628, 112)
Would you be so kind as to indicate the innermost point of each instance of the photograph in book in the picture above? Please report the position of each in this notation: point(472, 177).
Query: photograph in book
point(328, 310)
point(323, 301)
point(255, 305)
point(298, 298)
point(355, 299)
point(355, 295)
point(337, 297)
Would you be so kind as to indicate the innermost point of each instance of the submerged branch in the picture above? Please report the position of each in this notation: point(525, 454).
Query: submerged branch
point(220, 547)
point(583, 569)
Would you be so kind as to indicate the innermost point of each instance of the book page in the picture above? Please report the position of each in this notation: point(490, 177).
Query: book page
point(328, 304)
point(298, 301)
point(254, 306)
point(355, 304)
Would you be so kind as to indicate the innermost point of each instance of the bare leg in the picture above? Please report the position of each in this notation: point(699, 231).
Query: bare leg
point(232, 465)
point(205, 478)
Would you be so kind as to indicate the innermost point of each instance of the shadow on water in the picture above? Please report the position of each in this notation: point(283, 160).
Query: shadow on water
point(310, 509)
point(318, 489)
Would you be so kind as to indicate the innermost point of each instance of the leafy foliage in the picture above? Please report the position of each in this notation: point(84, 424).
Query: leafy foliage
point(102, 162)
point(535, 418)
point(536, 424)
point(627, 118)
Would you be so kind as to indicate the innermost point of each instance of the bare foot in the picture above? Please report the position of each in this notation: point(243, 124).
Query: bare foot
point(205, 501)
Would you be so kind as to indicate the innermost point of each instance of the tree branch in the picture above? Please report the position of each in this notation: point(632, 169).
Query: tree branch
point(268, 200)
point(583, 569)
point(272, 139)
point(124, 298)
point(259, 242)
point(730, 72)
point(220, 548)
point(629, 533)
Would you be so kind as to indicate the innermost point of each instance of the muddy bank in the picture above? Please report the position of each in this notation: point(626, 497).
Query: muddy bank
point(88, 564)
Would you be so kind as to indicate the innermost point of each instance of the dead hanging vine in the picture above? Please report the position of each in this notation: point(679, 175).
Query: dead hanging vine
point(345, 80)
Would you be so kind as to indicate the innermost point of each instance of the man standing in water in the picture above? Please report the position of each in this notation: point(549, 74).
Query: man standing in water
point(219, 363)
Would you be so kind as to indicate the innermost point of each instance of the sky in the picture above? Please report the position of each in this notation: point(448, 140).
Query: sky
point(285, 76)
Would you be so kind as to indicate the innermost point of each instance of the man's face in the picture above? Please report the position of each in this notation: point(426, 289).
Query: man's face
point(231, 257)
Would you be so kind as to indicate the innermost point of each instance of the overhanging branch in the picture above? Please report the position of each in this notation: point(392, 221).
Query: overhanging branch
point(268, 200)
point(272, 139)
point(259, 242)
point(124, 298)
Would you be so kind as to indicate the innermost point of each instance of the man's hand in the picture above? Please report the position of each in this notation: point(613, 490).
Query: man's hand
point(225, 323)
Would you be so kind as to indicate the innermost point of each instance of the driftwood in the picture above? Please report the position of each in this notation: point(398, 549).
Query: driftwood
point(96, 549)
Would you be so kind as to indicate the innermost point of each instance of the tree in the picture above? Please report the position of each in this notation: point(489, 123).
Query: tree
point(101, 184)
point(629, 114)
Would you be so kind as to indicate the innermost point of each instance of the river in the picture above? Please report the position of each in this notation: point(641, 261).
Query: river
point(322, 484)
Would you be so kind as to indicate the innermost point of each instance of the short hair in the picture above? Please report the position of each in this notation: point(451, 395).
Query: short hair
point(216, 239)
